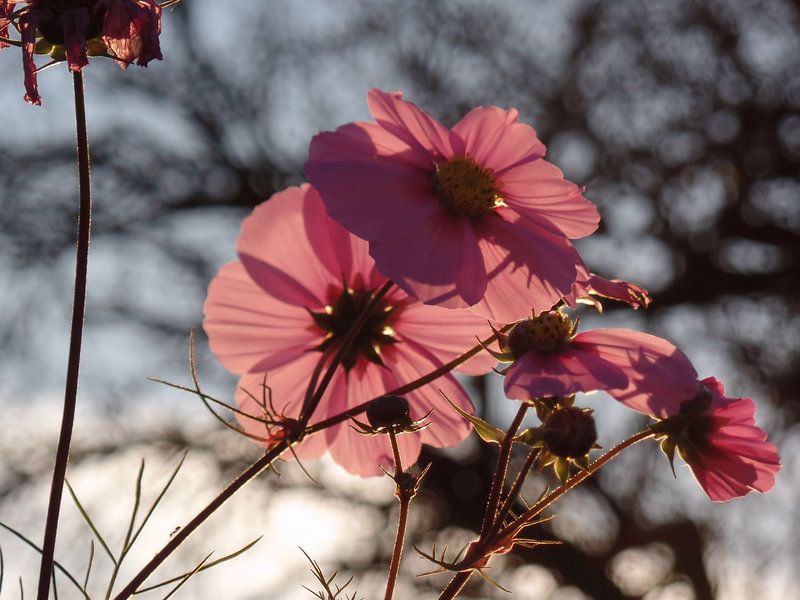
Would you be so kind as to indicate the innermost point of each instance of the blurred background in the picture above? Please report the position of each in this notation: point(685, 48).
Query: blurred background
point(681, 118)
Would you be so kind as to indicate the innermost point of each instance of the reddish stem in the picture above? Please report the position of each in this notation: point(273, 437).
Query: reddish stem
point(487, 527)
point(76, 336)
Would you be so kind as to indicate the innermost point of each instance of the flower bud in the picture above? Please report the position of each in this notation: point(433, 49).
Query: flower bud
point(545, 333)
point(570, 432)
point(389, 411)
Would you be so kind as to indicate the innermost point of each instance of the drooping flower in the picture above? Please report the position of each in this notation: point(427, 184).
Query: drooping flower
point(644, 372)
point(469, 216)
point(71, 30)
point(718, 438)
point(300, 282)
point(6, 12)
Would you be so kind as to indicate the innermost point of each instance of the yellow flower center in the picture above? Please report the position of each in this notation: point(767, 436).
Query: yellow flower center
point(545, 333)
point(465, 187)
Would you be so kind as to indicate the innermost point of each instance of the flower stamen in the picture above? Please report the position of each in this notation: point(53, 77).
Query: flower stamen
point(465, 187)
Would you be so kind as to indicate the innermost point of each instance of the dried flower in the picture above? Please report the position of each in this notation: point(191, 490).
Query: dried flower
point(72, 30)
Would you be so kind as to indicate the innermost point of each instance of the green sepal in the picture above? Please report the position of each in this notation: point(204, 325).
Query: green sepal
point(486, 431)
point(42, 46)
point(561, 467)
point(668, 448)
point(531, 437)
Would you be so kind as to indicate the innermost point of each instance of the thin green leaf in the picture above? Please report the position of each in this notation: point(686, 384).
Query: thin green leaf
point(137, 499)
point(89, 522)
point(58, 565)
point(2, 570)
point(225, 558)
point(531, 437)
point(158, 499)
point(89, 565)
point(487, 431)
point(21, 589)
point(189, 575)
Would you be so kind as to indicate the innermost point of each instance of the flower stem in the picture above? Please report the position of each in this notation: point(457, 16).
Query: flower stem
point(266, 460)
point(459, 581)
point(408, 387)
point(404, 496)
point(537, 508)
point(455, 586)
point(76, 335)
point(498, 482)
point(508, 503)
point(179, 537)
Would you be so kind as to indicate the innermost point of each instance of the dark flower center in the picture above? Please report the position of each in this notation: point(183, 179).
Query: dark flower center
point(545, 333)
point(337, 319)
point(466, 188)
point(51, 26)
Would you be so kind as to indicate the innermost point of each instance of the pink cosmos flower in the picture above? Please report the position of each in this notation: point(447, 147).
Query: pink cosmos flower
point(125, 30)
point(300, 281)
point(644, 372)
point(469, 216)
point(718, 438)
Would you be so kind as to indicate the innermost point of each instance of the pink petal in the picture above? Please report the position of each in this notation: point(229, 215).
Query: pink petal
point(559, 373)
point(660, 377)
point(377, 196)
point(250, 330)
point(439, 263)
point(718, 487)
point(447, 427)
point(409, 123)
point(446, 333)
point(279, 258)
point(494, 139)
point(527, 267)
point(538, 191)
point(359, 454)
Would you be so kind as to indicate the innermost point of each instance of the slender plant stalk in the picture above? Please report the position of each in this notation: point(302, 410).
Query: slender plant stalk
point(455, 586)
point(537, 508)
point(76, 335)
point(500, 473)
point(404, 498)
point(266, 460)
point(408, 387)
point(460, 579)
point(516, 487)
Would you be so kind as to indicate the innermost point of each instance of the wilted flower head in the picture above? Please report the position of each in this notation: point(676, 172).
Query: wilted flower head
point(468, 216)
point(299, 284)
point(72, 30)
point(549, 358)
point(718, 438)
